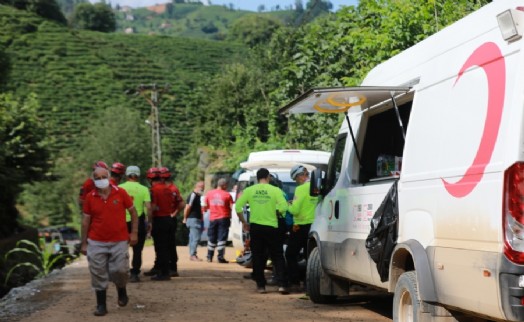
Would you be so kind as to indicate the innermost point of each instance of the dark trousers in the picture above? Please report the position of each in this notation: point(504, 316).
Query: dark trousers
point(173, 256)
point(136, 262)
point(217, 237)
point(163, 238)
point(264, 240)
point(297, 241)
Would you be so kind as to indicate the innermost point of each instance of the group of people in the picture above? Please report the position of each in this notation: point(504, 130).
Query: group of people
point(118, 215)
point(268, 207)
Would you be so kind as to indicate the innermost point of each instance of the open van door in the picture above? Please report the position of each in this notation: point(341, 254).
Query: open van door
point(345, 100)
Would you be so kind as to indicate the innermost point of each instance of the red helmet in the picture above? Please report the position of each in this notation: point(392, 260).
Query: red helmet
point(118, 168)
point(153, 173)
point(100, 164)
point(164, 172)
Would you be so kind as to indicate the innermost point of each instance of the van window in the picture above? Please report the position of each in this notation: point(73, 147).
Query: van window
point(383, 143)
point(335, 164)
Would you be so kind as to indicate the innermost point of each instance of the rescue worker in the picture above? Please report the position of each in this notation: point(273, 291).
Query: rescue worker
point(178, 205)
point(117, 172)
point(303, 210)
point(266, 202)
point(142, 201)
point(219, 202)
point(105, 238)
point(89, 185)
point(162, 201)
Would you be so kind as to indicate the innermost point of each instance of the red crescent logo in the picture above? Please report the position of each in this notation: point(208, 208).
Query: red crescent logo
point(490, 59)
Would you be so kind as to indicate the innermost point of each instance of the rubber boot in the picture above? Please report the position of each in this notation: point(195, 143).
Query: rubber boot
point(101, 308)
point(122, 296)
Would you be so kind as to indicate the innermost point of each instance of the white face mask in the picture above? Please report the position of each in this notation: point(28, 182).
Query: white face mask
point(102, 183)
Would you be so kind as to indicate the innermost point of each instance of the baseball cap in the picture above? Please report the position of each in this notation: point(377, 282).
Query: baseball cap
point(133, 170)
point(296, 170)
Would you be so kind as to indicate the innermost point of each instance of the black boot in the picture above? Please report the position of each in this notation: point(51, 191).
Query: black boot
point(122, 296)
point(101, 308)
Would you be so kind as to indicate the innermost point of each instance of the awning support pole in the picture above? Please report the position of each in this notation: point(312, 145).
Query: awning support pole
point(398, 116)
point(354, 141)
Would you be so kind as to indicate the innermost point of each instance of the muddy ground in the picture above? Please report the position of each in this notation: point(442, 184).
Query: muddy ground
point(203, 292)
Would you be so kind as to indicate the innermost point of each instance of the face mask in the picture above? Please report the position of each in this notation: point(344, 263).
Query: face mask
point(102, 183)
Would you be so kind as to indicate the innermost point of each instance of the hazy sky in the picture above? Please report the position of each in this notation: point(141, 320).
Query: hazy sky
point(238, 4)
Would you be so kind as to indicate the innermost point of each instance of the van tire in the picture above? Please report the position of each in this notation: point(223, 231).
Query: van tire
point(313, 276)
point(406, 303)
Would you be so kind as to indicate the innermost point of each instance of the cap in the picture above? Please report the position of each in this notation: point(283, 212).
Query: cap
point(118, 168)
point(296, 170)
point(133, 170)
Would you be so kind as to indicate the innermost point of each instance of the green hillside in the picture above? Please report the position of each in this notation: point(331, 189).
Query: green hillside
point(78, 73)
point(188, 20)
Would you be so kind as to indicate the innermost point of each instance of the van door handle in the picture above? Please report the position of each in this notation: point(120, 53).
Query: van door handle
point(337, 211)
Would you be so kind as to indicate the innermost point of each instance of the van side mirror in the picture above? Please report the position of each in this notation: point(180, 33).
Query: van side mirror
point(317, 183)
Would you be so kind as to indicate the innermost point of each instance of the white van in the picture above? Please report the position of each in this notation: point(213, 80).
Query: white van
point(450, 112)
point(279, 164)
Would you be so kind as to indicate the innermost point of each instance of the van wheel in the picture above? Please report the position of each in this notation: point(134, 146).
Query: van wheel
point(313, 277)
point(406, 304)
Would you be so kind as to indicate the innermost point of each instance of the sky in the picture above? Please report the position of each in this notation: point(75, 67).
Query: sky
point(251, 5)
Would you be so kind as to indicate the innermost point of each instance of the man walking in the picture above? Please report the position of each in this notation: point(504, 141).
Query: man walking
point(142, 201)
point(193, 219)
point(266, 202)
point(89, 184)
point(219, 203)
point(105, 237)
point(303, 211)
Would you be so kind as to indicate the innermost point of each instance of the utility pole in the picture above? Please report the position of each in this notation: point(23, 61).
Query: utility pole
point(152, 94)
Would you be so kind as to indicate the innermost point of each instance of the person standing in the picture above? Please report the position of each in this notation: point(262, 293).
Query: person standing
point(178, 205)
point(105, 238)
point(193, 219)
point(219, 202)
point(162, 201)
point(303, 210)
point(266, 202)
point(142, 201)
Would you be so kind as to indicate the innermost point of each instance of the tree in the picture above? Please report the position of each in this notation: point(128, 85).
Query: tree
point(48, 9)
point(253, 29)
point(97, 17)
point(116, 134)
point(24, 156)
point(261, 8)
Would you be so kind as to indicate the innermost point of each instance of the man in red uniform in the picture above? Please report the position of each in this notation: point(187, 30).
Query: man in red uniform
point(219, 203)
point(117, 172)
point(89, 185)
point(179, 204)
point(162, 201)
point(105, 238)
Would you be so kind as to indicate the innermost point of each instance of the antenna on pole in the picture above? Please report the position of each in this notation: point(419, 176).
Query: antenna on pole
point(152, 93)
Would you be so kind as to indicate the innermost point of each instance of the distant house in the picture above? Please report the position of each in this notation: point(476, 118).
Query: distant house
point(129, 30)
point(130, 17)
point(159, 8)
point(166, 25)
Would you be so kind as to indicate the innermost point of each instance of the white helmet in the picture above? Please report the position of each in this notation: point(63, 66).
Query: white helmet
point(296, 170)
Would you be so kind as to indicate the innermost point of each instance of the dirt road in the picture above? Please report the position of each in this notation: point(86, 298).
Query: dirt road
point(203, 292)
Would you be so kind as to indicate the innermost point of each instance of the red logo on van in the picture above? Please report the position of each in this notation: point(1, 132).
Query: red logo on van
point(490, 59)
